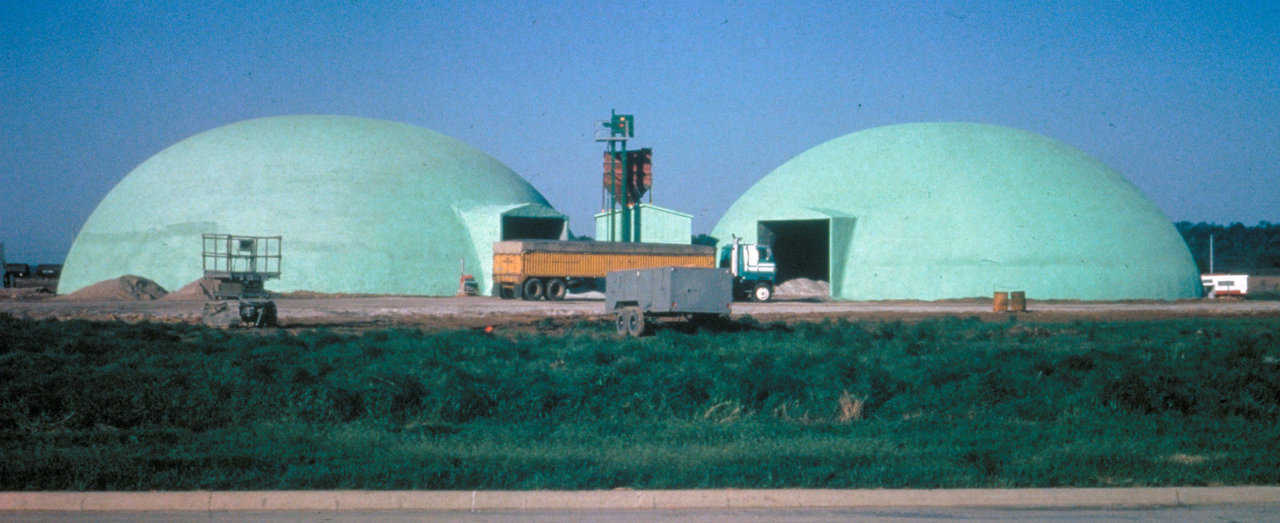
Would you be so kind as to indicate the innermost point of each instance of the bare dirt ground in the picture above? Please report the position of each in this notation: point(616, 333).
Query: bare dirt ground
point(301, 311)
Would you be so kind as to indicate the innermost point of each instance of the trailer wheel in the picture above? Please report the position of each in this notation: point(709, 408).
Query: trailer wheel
point(620, 320)
point(556, 289)
point(635, 322)
point(533, 289)
point(763, 292)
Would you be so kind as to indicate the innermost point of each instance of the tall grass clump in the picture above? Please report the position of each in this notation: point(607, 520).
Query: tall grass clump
point(952, 402)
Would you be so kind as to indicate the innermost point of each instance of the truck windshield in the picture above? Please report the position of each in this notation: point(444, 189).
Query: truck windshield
point(766, 253)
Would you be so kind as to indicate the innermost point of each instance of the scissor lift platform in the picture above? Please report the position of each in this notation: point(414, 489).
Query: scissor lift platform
point(241, 265)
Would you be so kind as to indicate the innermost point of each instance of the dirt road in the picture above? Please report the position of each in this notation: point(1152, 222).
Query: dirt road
point(480, 311)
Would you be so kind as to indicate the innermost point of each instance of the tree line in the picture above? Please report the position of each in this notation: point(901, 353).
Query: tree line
point(1236, 247)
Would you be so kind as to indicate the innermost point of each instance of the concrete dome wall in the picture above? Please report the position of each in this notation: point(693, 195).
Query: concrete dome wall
point(364, 206)
point(955, 210)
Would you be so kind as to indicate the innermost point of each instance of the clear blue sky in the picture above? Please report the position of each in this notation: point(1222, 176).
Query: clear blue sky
point(1182, 98)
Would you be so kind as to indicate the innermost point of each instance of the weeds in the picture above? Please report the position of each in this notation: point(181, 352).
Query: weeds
point(942, 403)
point(850, 408)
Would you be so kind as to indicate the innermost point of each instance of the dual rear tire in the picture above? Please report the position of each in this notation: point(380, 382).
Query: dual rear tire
point(553, 289)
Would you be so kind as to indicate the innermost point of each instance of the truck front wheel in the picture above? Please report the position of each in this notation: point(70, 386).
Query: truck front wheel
point(762, 293)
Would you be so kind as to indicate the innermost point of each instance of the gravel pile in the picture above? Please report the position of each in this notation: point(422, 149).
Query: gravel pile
point(199, 290)
point(802, 288)
point(124, 288)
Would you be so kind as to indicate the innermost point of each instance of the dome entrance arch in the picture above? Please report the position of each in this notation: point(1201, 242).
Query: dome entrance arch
point(534, 222)
point(801, 248)
point(811, 248)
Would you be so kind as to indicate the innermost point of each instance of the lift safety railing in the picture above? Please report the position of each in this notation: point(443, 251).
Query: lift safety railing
point(241, 258)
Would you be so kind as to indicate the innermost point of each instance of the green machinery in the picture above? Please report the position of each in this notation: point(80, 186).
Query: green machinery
point(239, 266)
point(628, 175)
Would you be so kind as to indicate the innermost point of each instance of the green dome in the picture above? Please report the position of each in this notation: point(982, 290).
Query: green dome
point(364, 206)
point(955, 210)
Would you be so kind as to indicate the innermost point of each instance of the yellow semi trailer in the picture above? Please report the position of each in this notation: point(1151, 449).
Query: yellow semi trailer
point(545, 269)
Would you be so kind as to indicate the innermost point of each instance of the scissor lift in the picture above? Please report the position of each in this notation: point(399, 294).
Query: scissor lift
point(241, 265)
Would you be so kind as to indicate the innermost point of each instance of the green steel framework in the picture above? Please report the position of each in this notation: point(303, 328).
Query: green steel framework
point(621, 127)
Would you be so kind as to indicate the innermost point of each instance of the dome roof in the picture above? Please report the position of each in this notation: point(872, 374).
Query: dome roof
point(955, 210)
point(364, 206)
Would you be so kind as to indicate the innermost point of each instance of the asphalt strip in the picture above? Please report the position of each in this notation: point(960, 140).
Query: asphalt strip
point(624, 499)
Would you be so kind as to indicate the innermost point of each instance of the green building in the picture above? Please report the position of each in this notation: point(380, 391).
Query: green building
point(955, 210)
point(656, 225)
point(364, 206)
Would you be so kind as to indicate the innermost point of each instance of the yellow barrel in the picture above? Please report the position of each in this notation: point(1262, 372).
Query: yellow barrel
point(1000, 302)
point(1018, 301)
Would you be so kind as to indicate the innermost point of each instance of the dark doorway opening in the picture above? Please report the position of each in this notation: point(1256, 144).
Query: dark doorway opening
point(801, 248)
point(522, 228)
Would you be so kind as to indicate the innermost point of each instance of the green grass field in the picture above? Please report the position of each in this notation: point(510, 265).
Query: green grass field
point(940, 403)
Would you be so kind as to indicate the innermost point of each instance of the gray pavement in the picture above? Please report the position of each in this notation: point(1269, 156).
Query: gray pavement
point(1266, 512)
point(627, 499)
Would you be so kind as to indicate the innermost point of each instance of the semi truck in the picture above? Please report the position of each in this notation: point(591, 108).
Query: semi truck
point(547, 269)
point(752, 267)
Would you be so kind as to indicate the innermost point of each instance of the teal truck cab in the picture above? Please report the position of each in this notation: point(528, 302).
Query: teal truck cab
point(752, 267)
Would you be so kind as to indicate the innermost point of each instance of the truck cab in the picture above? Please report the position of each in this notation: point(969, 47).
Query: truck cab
point(752, 267)
point(14, 272)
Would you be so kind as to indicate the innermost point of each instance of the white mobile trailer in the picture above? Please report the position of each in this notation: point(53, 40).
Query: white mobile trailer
point(1225, 284)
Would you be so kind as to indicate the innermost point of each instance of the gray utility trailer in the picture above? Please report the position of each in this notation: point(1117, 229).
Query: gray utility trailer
point(695, 293)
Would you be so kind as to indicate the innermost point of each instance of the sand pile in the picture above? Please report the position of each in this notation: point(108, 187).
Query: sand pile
point(802, 288)
point(124, 288)
point(199, 290)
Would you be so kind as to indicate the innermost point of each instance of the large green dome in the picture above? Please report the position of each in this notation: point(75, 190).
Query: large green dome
point(955, 210)
point(364, 206)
